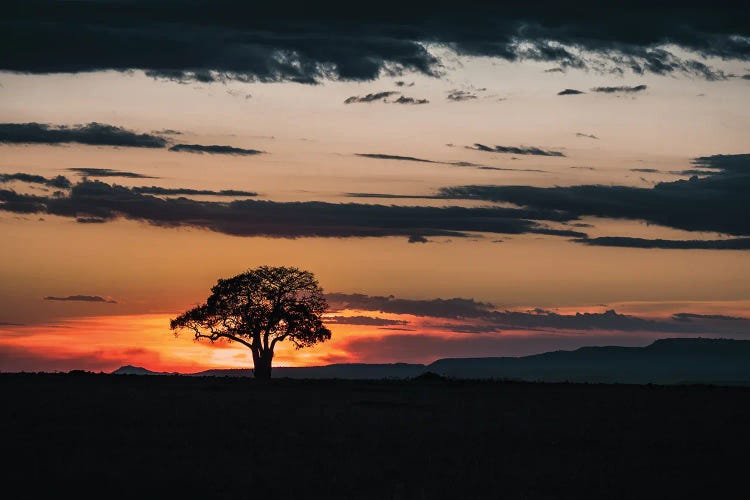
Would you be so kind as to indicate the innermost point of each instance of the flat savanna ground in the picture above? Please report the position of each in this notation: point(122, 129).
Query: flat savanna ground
point(150, 436)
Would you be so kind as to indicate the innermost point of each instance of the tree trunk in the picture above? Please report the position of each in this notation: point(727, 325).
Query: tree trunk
point(262, 365)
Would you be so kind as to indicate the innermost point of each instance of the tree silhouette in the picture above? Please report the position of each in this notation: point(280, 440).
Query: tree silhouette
point(258, 309)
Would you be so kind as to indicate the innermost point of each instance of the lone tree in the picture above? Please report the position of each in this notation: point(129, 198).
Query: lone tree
point(258, 309)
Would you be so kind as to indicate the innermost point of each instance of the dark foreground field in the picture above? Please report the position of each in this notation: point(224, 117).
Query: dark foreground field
point(148, 436)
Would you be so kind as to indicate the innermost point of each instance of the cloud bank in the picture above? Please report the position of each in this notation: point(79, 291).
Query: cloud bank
point(718, 202)
point(95, 134)
point(220, 40)
point(96, 199)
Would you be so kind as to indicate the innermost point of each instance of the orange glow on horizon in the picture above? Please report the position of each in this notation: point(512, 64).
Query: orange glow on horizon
point(104, 343)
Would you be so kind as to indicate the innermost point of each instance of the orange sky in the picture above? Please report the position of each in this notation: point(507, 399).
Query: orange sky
point(311, 140)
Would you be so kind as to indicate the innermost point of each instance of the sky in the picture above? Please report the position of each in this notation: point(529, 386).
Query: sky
point(463, 180)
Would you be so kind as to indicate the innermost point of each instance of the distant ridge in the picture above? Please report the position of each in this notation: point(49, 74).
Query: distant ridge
point(665, 361)
point(138, 370)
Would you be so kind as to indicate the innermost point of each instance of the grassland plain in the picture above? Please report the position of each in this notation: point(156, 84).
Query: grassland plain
point(86, 435)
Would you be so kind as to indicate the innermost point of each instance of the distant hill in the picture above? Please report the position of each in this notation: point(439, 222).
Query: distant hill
point(666, 361)
point(138, 370)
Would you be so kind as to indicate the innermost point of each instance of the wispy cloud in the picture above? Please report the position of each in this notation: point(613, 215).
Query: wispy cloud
point(213, 149)
point(622, 89)
point(108, 172)
point(517, 150)
point(81, 298)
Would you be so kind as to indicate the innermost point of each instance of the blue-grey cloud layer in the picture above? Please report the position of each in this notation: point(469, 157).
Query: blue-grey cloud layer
point(101, 201)
point(718, 202)
point(210, 40)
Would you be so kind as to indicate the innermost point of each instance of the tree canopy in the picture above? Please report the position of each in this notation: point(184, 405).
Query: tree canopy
point(260, 308)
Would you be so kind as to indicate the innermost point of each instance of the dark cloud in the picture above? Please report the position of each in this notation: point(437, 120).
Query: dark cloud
point(108, 172)
point(417, 238)
point(410, 100)
point(82, 298)
point(217, 150)
point(190, 192)
point(719, 202)
point(166, 131)
point(57, 182)
point(646, 170)
point(402, 83)
point(221, 40)
point(622, 241)
point(570, 92)
point(621, 89)
point(461, 95)
point(377, 96)
point(523, 150)
point(746, 77)
point(588, 136)
point(438, 308)
point(90, 220)
point(282, 219)
point(365, 321)
point(718, 317)
point(555, 70)
point(95, 134)
point(479, 317)
point(382, 156)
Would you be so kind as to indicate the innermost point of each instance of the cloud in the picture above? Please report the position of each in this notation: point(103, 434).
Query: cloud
point(719, 317)
point(461, 95)
point(365, 321)
point(622, 241)
point(439, 308)
point(166, 131)
point(409, 100)
point(56, 182)
point(210, 41)
point(470, 316)
point(220, 150)
point(82, 298)
point(587, 136)
point(95, 134)
point(523, 150)
point(570, 92)
point(108, 172)
point(719, 202)
point(377, 96)
point(646, 170)
point(620, 89)
point(402, 83)
point(417, 238)
point(90, 220)
point(282, 219)
point(190, 192)
point(382, 156)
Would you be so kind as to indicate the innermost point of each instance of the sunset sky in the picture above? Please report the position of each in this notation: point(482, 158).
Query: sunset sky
point(464, 180)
